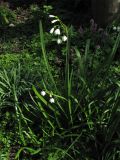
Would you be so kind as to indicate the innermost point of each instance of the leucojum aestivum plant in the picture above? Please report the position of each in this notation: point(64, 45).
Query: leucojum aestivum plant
point(54, 93)
point(80, 115)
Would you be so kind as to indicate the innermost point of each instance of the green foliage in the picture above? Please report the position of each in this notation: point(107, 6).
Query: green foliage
point(82, 120)
point(16, 79)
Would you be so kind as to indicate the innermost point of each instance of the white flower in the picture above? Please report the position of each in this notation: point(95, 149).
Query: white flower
point(51, 16)
point(54, 21)
point(52, 30)
point(52, 100)
point(11, 25)
point(118, 28)
point(114, 28)
point(64, 38)
point(43, 93)
point(57, 32)
point(59, 41)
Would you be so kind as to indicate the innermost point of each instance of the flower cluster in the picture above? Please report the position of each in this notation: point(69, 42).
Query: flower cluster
point(51, 100)
point(56, 30)
point(116, 28)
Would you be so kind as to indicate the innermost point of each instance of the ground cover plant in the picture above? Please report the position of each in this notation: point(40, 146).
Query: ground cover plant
point(59, 89)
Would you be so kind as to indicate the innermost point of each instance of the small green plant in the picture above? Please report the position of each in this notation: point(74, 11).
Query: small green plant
point(7, 16)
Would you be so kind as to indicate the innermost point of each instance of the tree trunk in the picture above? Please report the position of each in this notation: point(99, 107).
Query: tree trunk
point(105, 11)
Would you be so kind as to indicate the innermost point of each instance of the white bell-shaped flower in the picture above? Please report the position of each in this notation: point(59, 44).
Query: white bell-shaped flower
point(55, 20)
point(59, 41)
point(52, 30)
point(43, 93)
point(51, 16)
point(64, 38)
point(57, 31)
point(52, 100)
